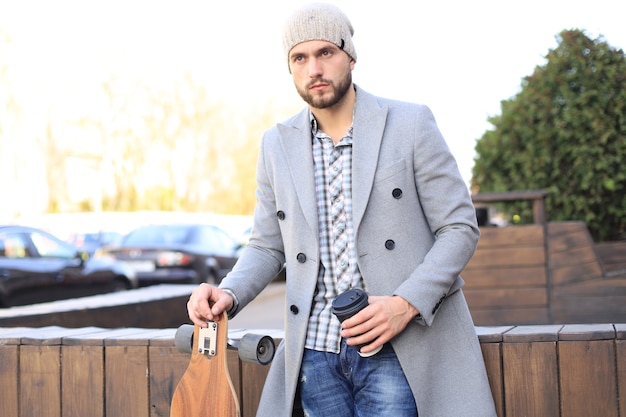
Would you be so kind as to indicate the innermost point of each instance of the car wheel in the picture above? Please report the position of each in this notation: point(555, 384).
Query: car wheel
point(212, 278)
point(119, 285)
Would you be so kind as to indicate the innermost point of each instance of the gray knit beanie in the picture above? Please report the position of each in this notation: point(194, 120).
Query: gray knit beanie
point(319, 22)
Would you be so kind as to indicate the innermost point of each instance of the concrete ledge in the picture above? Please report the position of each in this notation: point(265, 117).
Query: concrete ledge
point(159, 306)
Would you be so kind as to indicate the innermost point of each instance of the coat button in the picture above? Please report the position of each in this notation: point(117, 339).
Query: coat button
point(280, 214)
point(294, 309)
point(301, 258)
point(396, 193)
point(390, 244)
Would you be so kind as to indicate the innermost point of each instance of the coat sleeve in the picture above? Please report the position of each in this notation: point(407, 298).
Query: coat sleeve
point(446, 205)
point(263, 256)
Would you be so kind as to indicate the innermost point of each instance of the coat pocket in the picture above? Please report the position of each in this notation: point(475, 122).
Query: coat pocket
point(389, 171)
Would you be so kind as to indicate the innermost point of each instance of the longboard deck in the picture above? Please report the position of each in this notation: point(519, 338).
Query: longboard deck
point(206, 389)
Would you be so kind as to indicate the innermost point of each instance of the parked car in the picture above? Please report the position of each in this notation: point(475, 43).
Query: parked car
point(36, 266)
point(177, 253)
point(91, 241)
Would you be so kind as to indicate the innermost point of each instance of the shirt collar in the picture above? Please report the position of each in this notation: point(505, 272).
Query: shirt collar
point(320, 134)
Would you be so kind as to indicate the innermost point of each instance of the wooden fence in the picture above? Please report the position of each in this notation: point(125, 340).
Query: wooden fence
point(547, 371)
point(543, 273)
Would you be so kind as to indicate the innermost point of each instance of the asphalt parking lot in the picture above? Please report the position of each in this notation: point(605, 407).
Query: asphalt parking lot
point(265, 312)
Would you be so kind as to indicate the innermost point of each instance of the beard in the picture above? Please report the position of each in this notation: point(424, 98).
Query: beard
point(339, 91)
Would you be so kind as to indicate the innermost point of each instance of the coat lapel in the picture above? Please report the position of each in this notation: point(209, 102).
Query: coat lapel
point(369, 124)
point(295, 138)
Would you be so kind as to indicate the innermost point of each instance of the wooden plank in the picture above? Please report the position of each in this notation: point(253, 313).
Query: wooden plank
point(589, 308)
point(612, 255)
point(126, 375)
point(491, 347)
point(511, 316)
point(576, 332)
point(99, 338)
point(612, 252)
point(530, 379)
point(605, 287)
point(40, 381)
point(253, 375)
point(620, 351)
point(621, 374)
point(491, 334)
point(10, 339)
point(136, 348)
point(525, 235)
point(533, 333)
point(86, 352)
point(167, 366)
point(250, 376)
point(519, 256)
point(530, 276)
point(593, 315)
point(40, 370)
point(82, 376)
point(234, 368)
point(82, 373)
point(509, 196)
point(9, 360)
point(51, 335)
point(588, 378)
point(492, 354)
point(574, 256)
point(506, 297)
point(567, 230)
point(566, 243)
point(574, 273)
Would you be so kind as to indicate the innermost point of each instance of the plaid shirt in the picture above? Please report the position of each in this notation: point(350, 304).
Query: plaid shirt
point(324, 328)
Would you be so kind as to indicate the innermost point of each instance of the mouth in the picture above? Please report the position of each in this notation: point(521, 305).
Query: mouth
point(318, 86)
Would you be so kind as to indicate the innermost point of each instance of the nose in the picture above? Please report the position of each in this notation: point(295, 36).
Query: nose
point(315, 68)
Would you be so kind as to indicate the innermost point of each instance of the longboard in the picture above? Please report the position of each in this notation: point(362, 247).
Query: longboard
point(206, 388)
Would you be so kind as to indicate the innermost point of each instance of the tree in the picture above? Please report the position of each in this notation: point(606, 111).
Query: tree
point(565, 131)
point(123, 139)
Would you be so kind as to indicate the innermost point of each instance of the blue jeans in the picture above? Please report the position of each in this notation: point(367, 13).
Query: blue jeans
point(347, 385)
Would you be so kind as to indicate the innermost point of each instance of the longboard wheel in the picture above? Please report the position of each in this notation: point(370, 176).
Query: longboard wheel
point(183, 339)
point(256, 348)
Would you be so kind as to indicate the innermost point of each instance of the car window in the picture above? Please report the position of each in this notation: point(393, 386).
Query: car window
point(50, 248)
point(206, 238)
point(225, 240)
point(215, 240)
point(12, 246)
point(158, 235)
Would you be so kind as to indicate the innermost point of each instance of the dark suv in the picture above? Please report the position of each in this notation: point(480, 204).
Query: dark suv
point(177, 253)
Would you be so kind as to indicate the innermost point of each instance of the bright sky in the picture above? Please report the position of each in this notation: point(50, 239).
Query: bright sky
point(459, 57)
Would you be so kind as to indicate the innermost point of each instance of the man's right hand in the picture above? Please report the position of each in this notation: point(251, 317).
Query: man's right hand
point(206, 303)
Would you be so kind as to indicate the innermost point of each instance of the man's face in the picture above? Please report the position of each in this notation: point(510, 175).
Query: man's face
point(322, 73)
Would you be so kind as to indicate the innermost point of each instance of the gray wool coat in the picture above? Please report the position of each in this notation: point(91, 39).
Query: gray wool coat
point(415, 229)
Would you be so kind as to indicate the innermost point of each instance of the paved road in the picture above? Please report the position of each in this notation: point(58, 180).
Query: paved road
point(265, 312)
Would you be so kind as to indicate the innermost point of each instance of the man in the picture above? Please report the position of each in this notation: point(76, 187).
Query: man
point(358, 191)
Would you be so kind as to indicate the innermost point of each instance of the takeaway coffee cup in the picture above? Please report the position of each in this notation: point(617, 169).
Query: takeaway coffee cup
point(347, 304)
